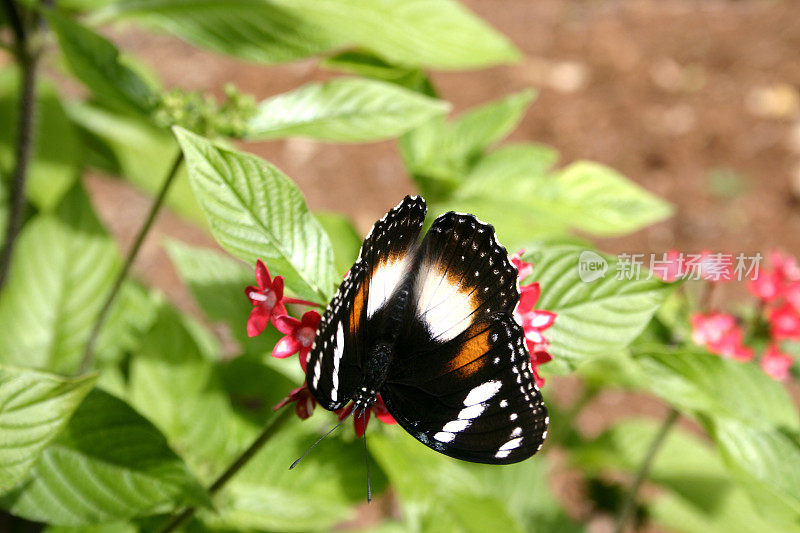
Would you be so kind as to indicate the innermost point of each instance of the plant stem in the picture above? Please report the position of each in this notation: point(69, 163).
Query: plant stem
point(27, 56)
point(268, 431)
point(629, 503)
point(88, 353)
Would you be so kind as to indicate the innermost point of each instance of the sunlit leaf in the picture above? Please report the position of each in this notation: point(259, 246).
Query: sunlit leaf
point(344, 110)
point(439, 34)
point(34, 408)
point(61, 271)
point(255, 211)
point(595, 318)
point(108, 464)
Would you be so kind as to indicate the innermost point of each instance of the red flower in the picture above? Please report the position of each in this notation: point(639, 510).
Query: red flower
point(670, 267)
point(721, 335)
point(792, 294)
point(784, 322)
point(785, 266)
point(776, 363)
point(524, 269)
point(299, 335)
point(304, 402)
point(360, 422)
point(267, 300)
point(534, 322)
point(766, 285)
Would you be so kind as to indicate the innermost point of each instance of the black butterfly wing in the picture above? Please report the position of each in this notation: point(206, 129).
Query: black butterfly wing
point(461, 380)
point(335, 362)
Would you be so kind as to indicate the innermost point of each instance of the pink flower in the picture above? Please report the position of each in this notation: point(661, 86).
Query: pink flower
point(303, 400)
point(785, 266)
point(670, 267)
point(721, 335)
point(299, 335)
point(784, 322)
point(360, 422)
point(534, 322)
point(776, 363)
point(267, 300)
point(766, 286)
point(524, 269)
point(710, 328)
point(792, 294)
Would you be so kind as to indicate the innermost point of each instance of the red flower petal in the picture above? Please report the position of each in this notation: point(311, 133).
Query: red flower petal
point(528, 296)
point(277, 286)
point(285, 347)
point(286, 324)
point(776, 363)
point(382, 413)
point(262, 275)
point(258, 321)
point(360, 421)
point(311, 319)
point(767, 286)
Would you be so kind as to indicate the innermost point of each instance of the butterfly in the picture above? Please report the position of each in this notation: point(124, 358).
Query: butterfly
point(430, 327)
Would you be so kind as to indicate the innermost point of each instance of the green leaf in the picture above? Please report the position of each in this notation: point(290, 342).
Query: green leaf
point(108, 464)
point(344, 237)
point(34, 408)
point(766, 462)
point(601, 201)
point(130, 147)
point(255, 211)
point(57, 149)
point(62, 269)
point(254, 31)
point(439, 154)
point(439, 34)
point(698, 382)
point(597, 317)
point(95, 61)
point(700, 490)
point(344, 110)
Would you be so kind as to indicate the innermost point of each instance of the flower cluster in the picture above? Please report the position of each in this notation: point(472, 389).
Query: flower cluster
point(534, 321)
point(268, 303)
point(778, 292)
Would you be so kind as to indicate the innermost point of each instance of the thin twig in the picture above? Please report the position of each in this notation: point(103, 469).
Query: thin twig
point(268, 431)
point(629, 503)
point(88, 352)
point(27, 55)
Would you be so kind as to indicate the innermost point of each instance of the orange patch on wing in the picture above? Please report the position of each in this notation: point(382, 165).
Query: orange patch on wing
point(467, 360)
point(358, 305)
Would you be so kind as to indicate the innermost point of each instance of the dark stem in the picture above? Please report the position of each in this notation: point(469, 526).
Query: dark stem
point(268, 431)
point(629, 503)
point(27, 57)
point(88, 352)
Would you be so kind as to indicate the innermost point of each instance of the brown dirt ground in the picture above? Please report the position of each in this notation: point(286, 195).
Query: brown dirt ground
point(664, 91)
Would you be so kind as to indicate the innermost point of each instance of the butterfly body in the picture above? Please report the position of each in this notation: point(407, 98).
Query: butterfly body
point(429, 326)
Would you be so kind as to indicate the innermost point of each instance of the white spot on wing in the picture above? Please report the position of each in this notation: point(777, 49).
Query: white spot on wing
point(510, 445)
point(444, 436)
point(456, 426)
point(483, 392)
point(473, 411)
point(445, 308)
point(385, 279)
point(338, 351)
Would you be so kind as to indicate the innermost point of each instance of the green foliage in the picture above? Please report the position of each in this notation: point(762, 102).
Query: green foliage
point(344, 237)
point(95, 61)
point(260, 31)
point(34, 407)
point(108, 464)
point(257, 212)
point(344, 110)
point(62, 269)
point(56, 150)
point(596, 317)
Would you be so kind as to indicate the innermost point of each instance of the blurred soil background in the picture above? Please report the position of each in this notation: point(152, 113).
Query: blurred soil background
point(697, 101)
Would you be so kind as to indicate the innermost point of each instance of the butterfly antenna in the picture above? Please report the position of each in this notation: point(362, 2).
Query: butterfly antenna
point(366, 460)
point(294, 464)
